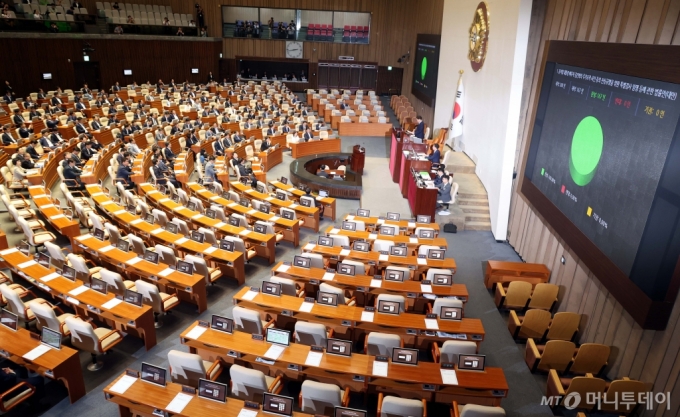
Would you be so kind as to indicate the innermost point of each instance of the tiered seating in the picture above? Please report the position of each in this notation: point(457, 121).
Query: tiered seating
point(143, 14)
point(49, 11)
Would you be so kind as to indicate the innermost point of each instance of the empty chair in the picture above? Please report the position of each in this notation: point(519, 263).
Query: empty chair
point(321, 399)
point(46, 317)
point(160, 217)
point(544, 296)
point(188, 368)
point(622, 388)
point(381, 344)
point(405, 272)
point(198, 202)
point(555, 354)
point(160, 302)
point(201, 267)
point(312, 334)
point(166, 255)
point(317, 259)
point(83, 271)
point(249, 321)
point(324, 287)
point(360, 225)
point(339, 240)
point(288, 286)
point(474, 410)
point(114, 233)
point(16, 305)
point(380, 245)
point(291, 213)
point(390, 406)
point(424, 249)
point(58, 259)
point(182, 226)
point(269, 228)
point(209, 236)
point(242, 222)
point(449, 351)
point(240, 246)
point(590, 358)
point(395, 229)
point(444, 302)
point(564, 326)
point(582, 385)
point(392, 298)
point(115, 282)
point(359, 267)
point(419, 230)
point(250, 384)
point(533, 324)
point(516, 297)
point(137, 244)
point(90, 339)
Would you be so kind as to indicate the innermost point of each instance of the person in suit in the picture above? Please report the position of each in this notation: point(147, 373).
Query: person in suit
point(435, 155)
point(247, 124)
point(56, 101)
point(238, 138)
point(7, 138)
point(308, 135)
point(285, 128)
point(438, 177)
point(419, 131)
point(219, 147)
point(95, 124)
point(132, 147)
point(41, 93)
point(444, 194)
point(322, 172)
point(123, 175)
point(33, 113)
point(116, 87)
point(8, 97)
point(80, 126)
point(18, 118)
point(210, 172)
point(72, 175)
point(86, 152)
point(192, 139)
point(80, 105)
point(266, 144)
point(320, 126)
point(270, 129)
point(227, 142)
point(30, 149)
point(242, 169)
point(55, 137)
point(168, 154)
point(53, 122)
point(45, 141)
point(25, 132)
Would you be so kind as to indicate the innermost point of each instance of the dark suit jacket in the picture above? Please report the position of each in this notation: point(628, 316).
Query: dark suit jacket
point(18, 119)
point(80, 128)
point(7, 139)
point(264, 146)
point(419, 132)
point(124, 173)
point(434, 156)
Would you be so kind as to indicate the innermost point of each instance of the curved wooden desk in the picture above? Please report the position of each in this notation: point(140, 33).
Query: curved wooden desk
point(315, 147)
point(350, 187)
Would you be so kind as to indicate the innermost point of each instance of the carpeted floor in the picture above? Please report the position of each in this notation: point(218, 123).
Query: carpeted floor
point(470, 249)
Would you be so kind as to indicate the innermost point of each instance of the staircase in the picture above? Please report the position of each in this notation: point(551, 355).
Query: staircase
point(471, 211)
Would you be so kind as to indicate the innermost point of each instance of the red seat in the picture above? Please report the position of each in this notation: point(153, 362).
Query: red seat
point(365, 29)
point(323, 27)
point(346, 28)
point(353, 28)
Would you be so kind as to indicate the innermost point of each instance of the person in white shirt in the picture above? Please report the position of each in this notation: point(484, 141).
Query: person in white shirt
point(19, 175)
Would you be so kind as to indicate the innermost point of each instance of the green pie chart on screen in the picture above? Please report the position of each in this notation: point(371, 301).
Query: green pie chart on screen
point(586, 150)
point(423, 68)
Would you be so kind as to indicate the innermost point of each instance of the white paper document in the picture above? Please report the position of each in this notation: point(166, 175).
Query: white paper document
point(383, 258)
point(310, 246)
point(135, 221)
point(274, 352)
point(133, 260)
point(376, 283)
point(245, 412)
point(220, 224)
point(244, 232)
point(166, 272)
point(328, 276)
point(27, 264)
point(367, 316)
point(413, 240)
point(274, 218)
point(50, 277)
point(178, 403)
point(411, 225)
point(306, 307)
point(46, 206)
point(449, 376)
point(334, 231)
point(181, 240)
point(422, 261)
point(37, 352)
point(123, 384)
point(379, 368)
point(8, 251)
point(106, 248)
point(425, 288)
point(283, 268)
point(210, 250)
point(111, 303)
point(314, 358)
point(431, 324)
point(156, 231)
point(249, 295)
point(78, 291)
point(344, 252)
point(372, 236)
point(196, 332)
point(381, 221)
point(349, 217)
point(119, 212)
point(196, 217)
point(57, 216)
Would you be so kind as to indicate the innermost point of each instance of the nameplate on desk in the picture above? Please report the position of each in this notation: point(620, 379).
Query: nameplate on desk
point(431, 316)
point(316, 348)
point(428, 387)
point(410, 295)
point(252, 405)
point(498, 392)
point(412, 332)
point(34, 336)
point(203, 323)
point(476, 337)
point(368, 308)
point(347, 323)
point(234, 354)
point(313, 282)
point(257, 337)
point(132, 373)
point(293, 367)
point(358, 378)
point(361, 289)
point(381, 358)
point(287, 313)
point(188, 390)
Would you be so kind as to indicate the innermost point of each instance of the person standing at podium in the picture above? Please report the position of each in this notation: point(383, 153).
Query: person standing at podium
point(419, 131)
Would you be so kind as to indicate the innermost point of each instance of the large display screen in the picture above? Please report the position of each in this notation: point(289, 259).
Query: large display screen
point(598, 150)
point(425, 68)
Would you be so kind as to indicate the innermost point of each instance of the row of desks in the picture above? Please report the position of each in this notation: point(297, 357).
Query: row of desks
point(295, 193)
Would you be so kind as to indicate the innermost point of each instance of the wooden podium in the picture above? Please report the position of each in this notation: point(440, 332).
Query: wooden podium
point(358, 158)
point(421, 200)
point(395, 154)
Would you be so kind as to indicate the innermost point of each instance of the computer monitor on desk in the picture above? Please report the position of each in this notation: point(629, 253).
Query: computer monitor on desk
point(153, 374)
point(222, 324)
point(405, 356)
point(213, 391)
point(389, 307)
point(277, 404)
point(471, 362)
point(9, 320)
point(339, 347)
point(348, 412)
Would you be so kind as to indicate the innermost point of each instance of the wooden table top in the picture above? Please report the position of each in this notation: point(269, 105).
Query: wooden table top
point(20, 343)
point(48, 209)
point(441, 242)
point(403, 224)
point(239, 187)
point(299, 193)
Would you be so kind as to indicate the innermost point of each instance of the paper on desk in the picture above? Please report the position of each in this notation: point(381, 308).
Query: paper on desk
point(178, 403)
point(376, 283)
point(111, 303)
point(252, 211)
point(274, 352)
point(119, 212)
point(57, 216)
point(306, 307)
point(422, 261)
point(383, 258)
point(107, 203)
point(84, 237)
point(367, 316)
point(274, 218)
point(46, 206)
point(106, 248)
point(135, 221)
point(372, 236)
point(314, 358)
point(197, 217)
point(292, 205)
point(425, 288)
point(244, 232)
point(215, 197)
point(328, 276)
point(196, 332)
point(232, 204)
point(319, 198)
point(245, 412)
point(349, 217)
point(344, 252)
point(156, 231)
point(97, 194)
point(37, 352)
point(133, 261)
point(8, 251)
point(381, 221)
point(379, 368)
point(181, 240)
point(310, 246)
point(269, 198)
point(449, 376)
point(166, 272)
point(220, 224)
point(411, 225)
point(79, 290)
point(27, 264)
point(123, 384)
point(50, 277)
point(249, 295)
point(209, 250)
point(334, 231)
point(431, 324)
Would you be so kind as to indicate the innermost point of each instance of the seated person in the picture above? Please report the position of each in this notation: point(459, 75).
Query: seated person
point(322, 172)
point(434, 157)
point(444, 193)
point(72, 176)
point(124, 175)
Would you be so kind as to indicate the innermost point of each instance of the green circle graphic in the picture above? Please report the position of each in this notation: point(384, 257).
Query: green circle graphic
point(586, 150)
point(423, 68)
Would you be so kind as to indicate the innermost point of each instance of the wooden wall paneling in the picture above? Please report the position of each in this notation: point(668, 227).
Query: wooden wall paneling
point(653, 370)
point(665, 35)
point(589, 297)
point(651, 21)
point(576, 288)
point(621, 338)
point(632, 27)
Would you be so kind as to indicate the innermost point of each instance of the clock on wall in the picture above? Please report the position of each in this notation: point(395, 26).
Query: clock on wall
point(479, 37)
point(293, 49)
